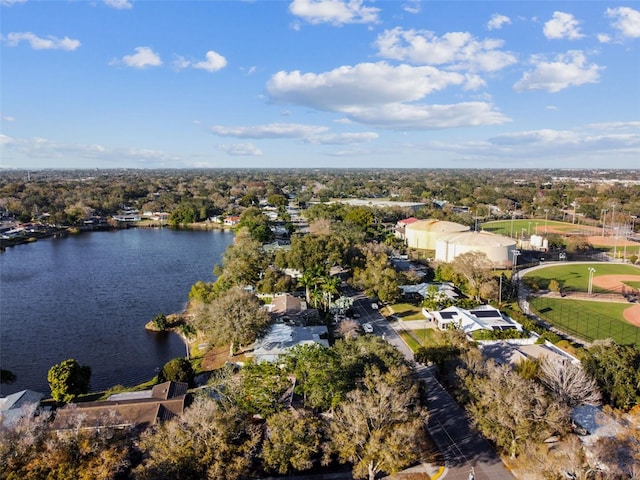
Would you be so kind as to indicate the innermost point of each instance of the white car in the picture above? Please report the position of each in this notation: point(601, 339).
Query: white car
point(367, 327)
point(374, 305)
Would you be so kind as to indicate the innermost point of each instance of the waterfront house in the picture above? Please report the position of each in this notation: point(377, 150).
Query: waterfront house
point(131, 409)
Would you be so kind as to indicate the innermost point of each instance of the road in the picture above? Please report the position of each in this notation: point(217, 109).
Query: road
point(462, 448)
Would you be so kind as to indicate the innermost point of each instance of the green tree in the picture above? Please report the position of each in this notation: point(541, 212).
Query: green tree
point(242, 263)
point(319, 375)
point(259, 388)
point(293, 442)
point(258, 225)
point(160, 322)
point(616, 369)
point(380, 427)
point(68, 379)
point(554, 286)
point(177, 370)
point(234, 318)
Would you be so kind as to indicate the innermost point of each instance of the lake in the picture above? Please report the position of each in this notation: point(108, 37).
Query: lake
point(88, 297)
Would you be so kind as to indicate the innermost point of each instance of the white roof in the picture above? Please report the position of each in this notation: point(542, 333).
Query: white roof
point(484, 317)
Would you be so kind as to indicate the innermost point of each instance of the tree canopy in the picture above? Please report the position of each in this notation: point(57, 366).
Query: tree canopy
point(235, 317)
point(68, 379)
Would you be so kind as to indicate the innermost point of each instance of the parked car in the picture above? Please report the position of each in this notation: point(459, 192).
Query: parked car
point(374, 305)
point(367, 327)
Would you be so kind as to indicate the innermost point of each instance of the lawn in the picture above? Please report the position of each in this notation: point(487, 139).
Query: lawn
point(417, 338)
point(406, 311)
point(575, 276)
point(587, 319)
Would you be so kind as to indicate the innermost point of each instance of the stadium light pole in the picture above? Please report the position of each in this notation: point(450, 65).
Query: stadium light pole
point(546, 214)
point(591, 272)
point(603, 212)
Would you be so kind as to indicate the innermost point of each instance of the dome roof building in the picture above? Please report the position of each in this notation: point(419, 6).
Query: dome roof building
point(424, 234)
point(497, 247)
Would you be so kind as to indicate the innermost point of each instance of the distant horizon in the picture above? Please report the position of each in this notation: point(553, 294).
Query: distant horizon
point(327, 84)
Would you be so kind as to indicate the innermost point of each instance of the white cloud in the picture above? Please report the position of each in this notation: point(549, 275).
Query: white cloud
point(626, 20)
point(9, 3)
point(567, 70)
point(52, 154)
point(273, 130)
point(562, 25)
point(343, 138)
point(180, 63)
point(365, 83)
point(412, 6)
point(336, 12)
point(400, 116)
point(497, 21)
point(144, 57)
point(119, 4)
point(603, 38)
point(459, 50)
point(38, 43)
point(383, 95)
point(8, 118)
point(244, 149)
point(214, 62)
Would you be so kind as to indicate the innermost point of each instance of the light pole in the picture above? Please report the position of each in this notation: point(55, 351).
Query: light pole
point(546, 213)
point(591, 272)
point(633, 223)
point(515, 261)
point(615, 245)
point(603, 212)
point(513, 214)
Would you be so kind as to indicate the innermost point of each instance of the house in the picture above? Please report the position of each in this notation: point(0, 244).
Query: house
point(19, 405)
point(231, 220)
point(445, 289)
point(281, 338)
point(290, 309)
point(484, 317)
point(133, 409)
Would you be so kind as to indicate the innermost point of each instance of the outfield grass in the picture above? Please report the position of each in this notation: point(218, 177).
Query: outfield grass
point(531, 226)
point(587, 319)
point(575, 276)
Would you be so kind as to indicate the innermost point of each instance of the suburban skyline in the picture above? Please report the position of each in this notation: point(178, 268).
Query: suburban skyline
point(319, 83)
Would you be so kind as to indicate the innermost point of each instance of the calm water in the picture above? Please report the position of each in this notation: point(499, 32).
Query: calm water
point(89, 296)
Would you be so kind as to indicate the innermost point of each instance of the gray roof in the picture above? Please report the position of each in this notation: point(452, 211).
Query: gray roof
point(17, 405)
point(281, 338)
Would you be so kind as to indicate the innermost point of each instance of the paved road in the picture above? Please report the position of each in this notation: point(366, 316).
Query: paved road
point(462, 448)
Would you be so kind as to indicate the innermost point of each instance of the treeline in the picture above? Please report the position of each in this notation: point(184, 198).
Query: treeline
point(68, 197)
point(357, 403)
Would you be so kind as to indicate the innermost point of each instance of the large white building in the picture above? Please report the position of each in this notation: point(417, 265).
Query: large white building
point(498, 248)
point(424, 234)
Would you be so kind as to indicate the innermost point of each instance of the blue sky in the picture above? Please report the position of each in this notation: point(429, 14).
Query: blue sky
point(319, 83)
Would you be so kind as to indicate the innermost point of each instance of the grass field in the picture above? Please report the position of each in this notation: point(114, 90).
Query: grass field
point(575, 276)
point(533, 226)
point(586, 319)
